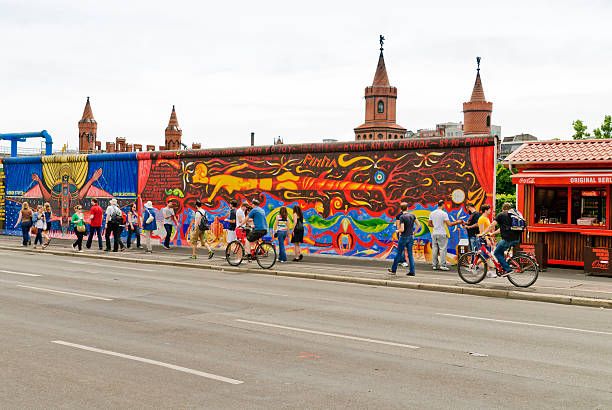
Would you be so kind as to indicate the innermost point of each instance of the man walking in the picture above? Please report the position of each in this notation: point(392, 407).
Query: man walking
point(114, 218)
point(438, 220)
point(471, 226)
point(169, 222)
point(199, 230)
point(405, 227)
point(509, 236)
point(231, 219)
point(95, 223)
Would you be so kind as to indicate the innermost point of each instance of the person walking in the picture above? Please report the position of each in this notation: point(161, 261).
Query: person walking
point(231, 219)
point(149, 224)
point(471, 227)
point(509, 236)
point(25, 218)
point(114, 219)
point(297, 233)
point(403, 259)
point(78, 221)
point(38, 220)
point(133, 222)
point(439, 220)
point(122, 225)
point(405, 227)
point(199, 230)
point(281, 227)
point(96, 215)
point(169, 222)
point(47, 231)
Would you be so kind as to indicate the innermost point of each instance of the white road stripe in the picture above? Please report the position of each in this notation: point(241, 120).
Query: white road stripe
point(149, 361)
point(64, 292)
point(316, 332)
point(526, 324)
point(18, 273)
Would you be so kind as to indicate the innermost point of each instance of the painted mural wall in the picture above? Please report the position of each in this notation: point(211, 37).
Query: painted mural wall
point(65, 181)
point(349, 192)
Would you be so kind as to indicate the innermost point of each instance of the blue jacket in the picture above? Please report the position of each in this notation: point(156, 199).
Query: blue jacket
point(149, 226)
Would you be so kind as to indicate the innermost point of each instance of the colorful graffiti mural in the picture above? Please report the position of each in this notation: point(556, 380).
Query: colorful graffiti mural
point(65, 181)
point(349, 192)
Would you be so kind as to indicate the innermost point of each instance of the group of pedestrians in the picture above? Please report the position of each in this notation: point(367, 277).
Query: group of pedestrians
point(35, 222)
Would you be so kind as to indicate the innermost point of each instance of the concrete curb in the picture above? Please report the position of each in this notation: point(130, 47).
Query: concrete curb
point(466, 290)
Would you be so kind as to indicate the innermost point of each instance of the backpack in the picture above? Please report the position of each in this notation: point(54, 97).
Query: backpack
point(203, 224)
point(518, 222)
point(117, 217)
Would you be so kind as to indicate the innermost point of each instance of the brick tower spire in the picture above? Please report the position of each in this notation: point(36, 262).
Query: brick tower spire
point(173, 132)
point(88, 128)
point(380, 107)
point(477, 112)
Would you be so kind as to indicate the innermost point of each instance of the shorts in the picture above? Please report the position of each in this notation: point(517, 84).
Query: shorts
point(196, 235)
point(231, 236)
point(256, 234)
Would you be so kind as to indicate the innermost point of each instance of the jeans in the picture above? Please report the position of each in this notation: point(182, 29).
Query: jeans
point(474, 243)
point(501, 248)
point(79, 241)
point(136, 233)
point(282, 236)
point(25, 231)
point(168, 234)
point(405, 242)
point(439, 243)
point(116, 231)
point(38, 237)
point(92, 230)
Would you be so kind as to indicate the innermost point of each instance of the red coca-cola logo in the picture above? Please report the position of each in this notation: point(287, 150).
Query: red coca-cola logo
point(527, 181)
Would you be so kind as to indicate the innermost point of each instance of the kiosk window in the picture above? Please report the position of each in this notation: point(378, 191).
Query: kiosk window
point(551, 205)
point(589, 206)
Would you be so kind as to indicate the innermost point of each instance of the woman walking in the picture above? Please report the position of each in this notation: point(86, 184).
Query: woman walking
point(297, 236)
point(25, 218)
point(47, 231)
point(281, 225)
point(39, 226)
point(133, 227)
point(148, 224)
point(79, 228)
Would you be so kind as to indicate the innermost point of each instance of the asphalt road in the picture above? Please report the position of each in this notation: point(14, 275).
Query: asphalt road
point(97, 334)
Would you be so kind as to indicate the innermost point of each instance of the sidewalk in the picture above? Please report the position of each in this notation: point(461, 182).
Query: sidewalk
point(556, 285)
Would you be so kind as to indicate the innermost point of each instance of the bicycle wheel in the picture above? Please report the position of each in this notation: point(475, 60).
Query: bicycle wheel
point(265, 253)
point(524, 271)
point(472, 267)
point(234, 253)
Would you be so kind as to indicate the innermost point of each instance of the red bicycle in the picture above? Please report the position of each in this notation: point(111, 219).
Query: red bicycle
point(263, 251)
point(472, 267)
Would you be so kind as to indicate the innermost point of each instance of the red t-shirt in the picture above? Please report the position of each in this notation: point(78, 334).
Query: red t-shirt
point(97, 213)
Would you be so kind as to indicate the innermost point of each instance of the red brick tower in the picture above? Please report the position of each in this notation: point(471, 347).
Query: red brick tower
point(88, 128)
point(173, 133)
point(477, 112)
point(380, 107)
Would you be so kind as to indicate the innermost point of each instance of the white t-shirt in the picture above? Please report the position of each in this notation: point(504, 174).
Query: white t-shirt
point(112, 210)
point(438, 217)
point(240, 217)
point(168, 214)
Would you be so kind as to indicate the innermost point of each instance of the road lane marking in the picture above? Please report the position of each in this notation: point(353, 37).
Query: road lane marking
point(19, 273)
point(63, 292)
point(149, 361)
point(316, 332)
point(108, 266)
point(525, 323)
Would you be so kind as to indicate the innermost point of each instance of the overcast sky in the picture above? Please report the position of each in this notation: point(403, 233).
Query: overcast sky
point(297, 69)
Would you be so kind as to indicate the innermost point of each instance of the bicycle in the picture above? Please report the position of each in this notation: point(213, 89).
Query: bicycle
point(472, 267)
point(263, 251)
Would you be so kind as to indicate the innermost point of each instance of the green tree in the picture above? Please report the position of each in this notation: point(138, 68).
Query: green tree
point(580, 129)
point(503, 182)
point(605, 131)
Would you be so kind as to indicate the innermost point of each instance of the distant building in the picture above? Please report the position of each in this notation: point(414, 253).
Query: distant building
point(511, 144)
point(477, 112)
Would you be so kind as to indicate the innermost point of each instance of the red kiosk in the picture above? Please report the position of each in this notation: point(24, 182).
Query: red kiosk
point(563, 191)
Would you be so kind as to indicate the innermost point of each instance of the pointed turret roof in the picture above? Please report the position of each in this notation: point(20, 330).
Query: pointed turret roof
point(381, 79)
point(478, 92)
point(173, 123)
point(87, 113)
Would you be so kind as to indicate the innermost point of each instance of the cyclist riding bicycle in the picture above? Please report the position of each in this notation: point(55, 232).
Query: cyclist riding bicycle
point(260, 228)
point(509, 236)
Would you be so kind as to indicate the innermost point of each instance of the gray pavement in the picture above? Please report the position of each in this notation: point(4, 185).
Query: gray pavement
point(95, 333)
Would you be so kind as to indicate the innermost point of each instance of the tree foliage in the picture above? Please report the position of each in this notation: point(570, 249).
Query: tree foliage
point(580, 129)
point(500, 199)
point(605, 131)
point(503, 182)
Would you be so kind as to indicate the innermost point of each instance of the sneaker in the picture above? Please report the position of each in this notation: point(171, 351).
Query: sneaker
point(390, 271)
point(74, 248)
point(444, 268)
point(166, 247)
point(435, 268)
point(405, 264)
point(193, 257)
point(34, 246)
point(106, 250)
point(148, 251)
point(410, 274)
point(80, 251)
point(211, 254)
point(491, 275)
